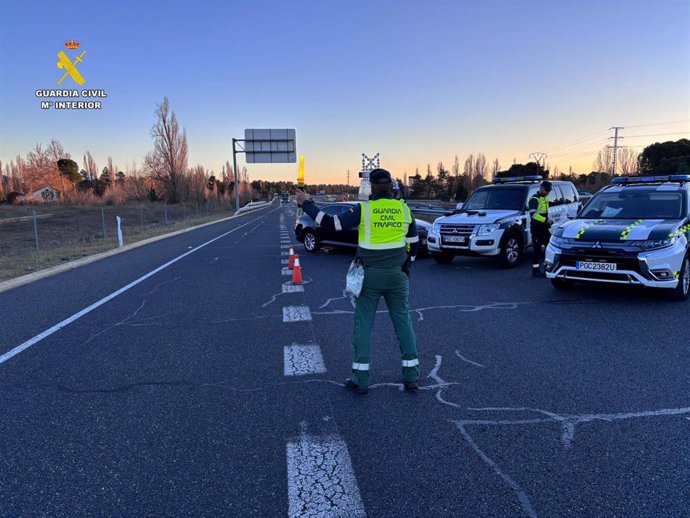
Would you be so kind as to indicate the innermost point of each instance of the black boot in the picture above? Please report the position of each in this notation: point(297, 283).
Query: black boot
point(410, 386)
point(358, 389)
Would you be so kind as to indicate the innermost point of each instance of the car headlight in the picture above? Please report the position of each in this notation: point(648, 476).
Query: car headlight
point(655, 244)
point(560, 241)
point(487, 229)
point(436, 228)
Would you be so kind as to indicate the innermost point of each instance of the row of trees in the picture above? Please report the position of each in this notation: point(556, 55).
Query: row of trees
point(657, 159)
point(165, 174)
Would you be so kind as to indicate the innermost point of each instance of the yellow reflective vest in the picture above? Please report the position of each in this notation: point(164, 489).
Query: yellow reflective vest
point(542, 214)
point(383, 224)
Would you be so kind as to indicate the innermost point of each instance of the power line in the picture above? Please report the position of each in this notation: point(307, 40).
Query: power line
point(576, 142)
point(598, 144)
point(659, 134)
point(657, 124)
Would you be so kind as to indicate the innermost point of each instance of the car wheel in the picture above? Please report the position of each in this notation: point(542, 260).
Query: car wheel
point(681, 292)
point(443, 257)
point(562, 284)
point(311, 242)
point(512, 251)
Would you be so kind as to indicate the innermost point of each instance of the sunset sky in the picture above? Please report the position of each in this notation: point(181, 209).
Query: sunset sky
point(416, 81)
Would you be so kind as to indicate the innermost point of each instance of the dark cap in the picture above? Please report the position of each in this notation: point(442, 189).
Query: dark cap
point(379, 177)
point(546, 185)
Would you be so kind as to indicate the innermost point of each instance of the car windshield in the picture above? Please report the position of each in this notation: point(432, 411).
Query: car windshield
point(492, 198)
point(636, 203)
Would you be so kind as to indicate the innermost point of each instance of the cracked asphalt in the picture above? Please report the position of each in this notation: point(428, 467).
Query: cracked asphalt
point(171, 399)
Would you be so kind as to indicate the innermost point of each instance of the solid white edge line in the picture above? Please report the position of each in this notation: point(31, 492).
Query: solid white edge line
point(13, 352)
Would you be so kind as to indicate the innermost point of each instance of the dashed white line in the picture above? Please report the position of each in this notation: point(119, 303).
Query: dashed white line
point(293, 288)
point(286, 271)
point(321, 481)
point(299, 360)
point(296, 313)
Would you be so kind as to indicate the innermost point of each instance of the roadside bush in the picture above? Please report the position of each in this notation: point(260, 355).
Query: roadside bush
point(12, 197)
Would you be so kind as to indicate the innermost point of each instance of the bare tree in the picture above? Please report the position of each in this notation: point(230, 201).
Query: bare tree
point(480, 166)
point(17, 180)
point(112, 169)
point(468, 171)
point(495, 167)
point(230, 182)
point(90, 166)
point(41, 169)
point(456, 167)
point(167, 163)
point(627, 163)
point(604, 161)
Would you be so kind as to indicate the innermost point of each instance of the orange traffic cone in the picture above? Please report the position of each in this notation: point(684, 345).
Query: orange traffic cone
point(291, 258)
point(297, 272)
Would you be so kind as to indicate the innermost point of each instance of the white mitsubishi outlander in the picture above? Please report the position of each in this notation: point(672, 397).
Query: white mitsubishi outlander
point(495, 220)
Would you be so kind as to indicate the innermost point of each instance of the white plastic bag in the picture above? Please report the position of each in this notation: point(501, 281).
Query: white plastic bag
point(355, 277)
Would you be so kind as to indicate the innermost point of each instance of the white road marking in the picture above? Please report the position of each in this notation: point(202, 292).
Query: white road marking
point(284, 246)
point(299, 360)
point(468, 361)
point(293, 288)
point(13, 352)
point(286, 271)
point(321, 481)
point(284, 261)
point(296, 313)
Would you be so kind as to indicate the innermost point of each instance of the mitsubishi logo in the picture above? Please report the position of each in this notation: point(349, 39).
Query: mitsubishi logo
point(597, 244)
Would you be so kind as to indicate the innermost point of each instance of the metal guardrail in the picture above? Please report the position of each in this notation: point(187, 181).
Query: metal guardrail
point(429, 210)
point(254, 205)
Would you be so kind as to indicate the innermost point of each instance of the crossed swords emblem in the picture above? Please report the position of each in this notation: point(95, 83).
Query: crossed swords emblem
point(70, 67)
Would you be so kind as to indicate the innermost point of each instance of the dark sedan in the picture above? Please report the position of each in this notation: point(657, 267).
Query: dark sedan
point(313, 236)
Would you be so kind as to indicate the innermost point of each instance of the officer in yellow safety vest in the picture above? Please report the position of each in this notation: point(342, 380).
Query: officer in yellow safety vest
point(386, 230)
point(539, 226)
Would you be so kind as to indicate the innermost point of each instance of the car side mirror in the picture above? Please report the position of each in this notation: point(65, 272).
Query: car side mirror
point(459, 206)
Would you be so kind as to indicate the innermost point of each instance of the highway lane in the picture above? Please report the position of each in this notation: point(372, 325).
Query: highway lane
point(31, 308)
point(175, 398)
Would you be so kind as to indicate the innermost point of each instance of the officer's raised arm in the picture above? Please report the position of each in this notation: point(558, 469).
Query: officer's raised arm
point(348, 220)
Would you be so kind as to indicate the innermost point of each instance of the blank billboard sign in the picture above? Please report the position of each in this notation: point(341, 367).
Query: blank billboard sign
point(270, 146)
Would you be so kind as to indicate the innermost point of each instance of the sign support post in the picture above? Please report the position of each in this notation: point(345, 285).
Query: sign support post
point(263, 146)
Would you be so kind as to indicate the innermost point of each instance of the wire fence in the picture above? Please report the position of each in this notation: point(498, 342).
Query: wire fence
point(45, 234)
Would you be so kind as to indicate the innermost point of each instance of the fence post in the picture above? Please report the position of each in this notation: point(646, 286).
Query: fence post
point(36, 231)
point(103, 219)
point(120, 239)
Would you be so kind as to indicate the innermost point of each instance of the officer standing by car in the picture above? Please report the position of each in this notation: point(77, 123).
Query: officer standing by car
point(386, 227)
point(539, 226)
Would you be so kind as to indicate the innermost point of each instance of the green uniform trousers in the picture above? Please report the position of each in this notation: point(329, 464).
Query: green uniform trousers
point(393, 285)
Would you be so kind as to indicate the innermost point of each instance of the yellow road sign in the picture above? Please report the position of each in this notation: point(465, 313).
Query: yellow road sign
point(70, 68)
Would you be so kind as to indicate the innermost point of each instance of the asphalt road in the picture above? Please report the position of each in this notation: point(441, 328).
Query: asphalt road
point(189, 393)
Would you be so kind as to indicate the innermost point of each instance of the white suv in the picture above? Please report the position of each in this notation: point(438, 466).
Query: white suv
point(495, 220)
point(635, 232)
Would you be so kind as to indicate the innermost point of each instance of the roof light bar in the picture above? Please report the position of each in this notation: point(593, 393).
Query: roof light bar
point(507, 179)
point(651, 179)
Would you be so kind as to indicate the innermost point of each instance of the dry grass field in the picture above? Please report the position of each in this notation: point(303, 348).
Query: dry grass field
point(67, 232)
